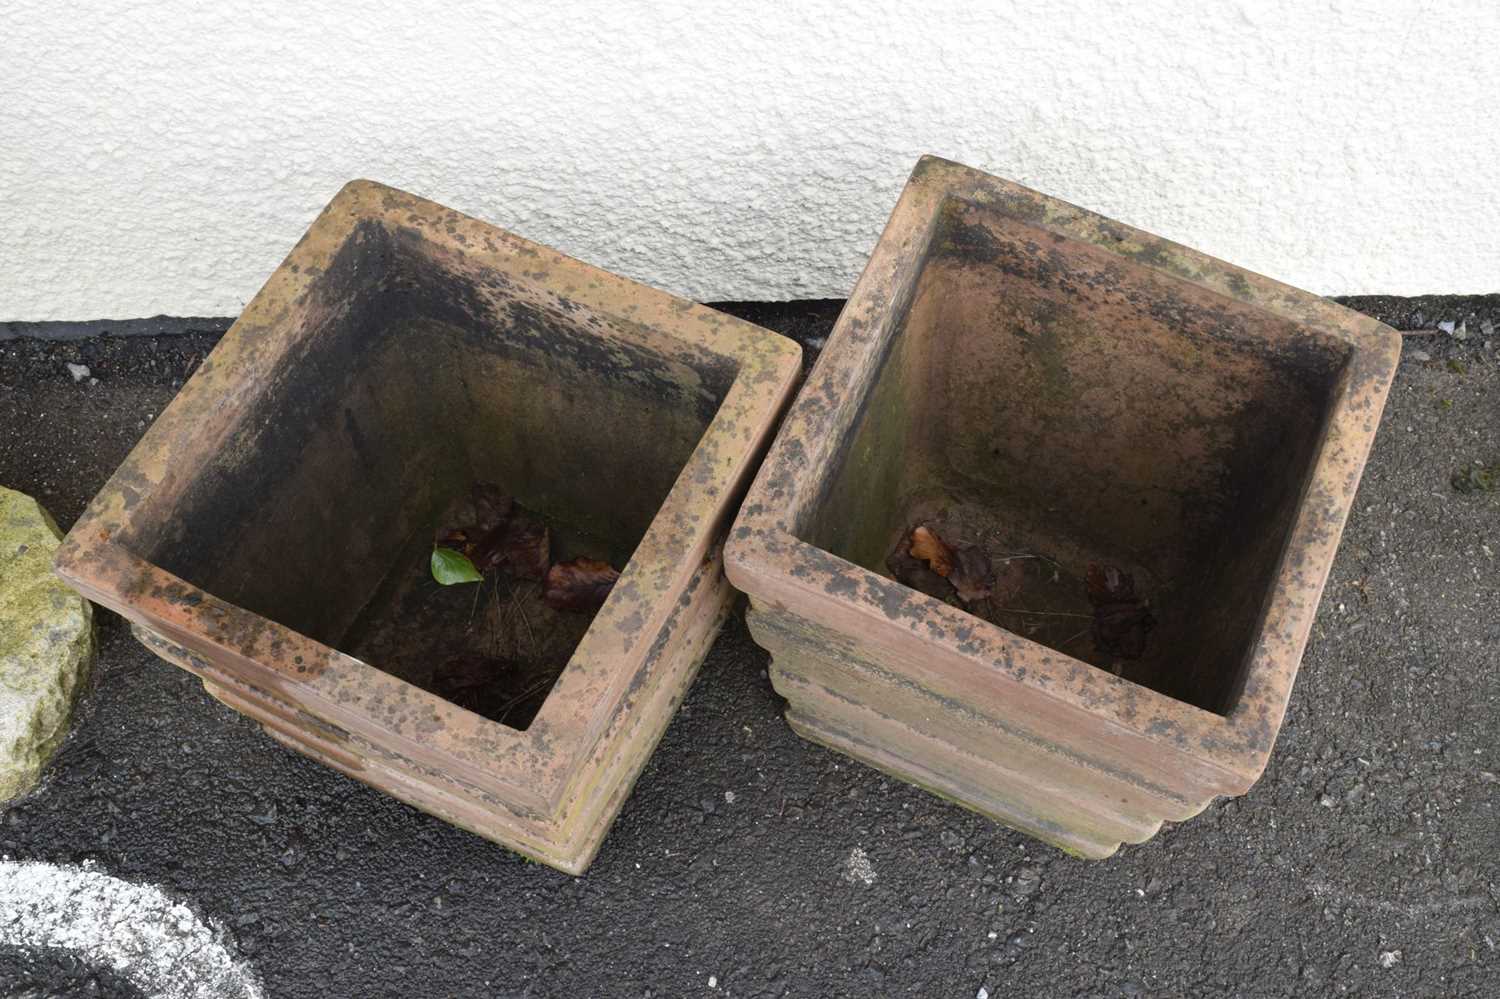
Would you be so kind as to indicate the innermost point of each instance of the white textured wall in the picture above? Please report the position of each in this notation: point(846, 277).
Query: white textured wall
point(162, 158)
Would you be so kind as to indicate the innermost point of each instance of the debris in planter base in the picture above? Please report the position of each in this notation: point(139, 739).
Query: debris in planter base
point(1059, 594)
point(496, 646)
point(1121, 619)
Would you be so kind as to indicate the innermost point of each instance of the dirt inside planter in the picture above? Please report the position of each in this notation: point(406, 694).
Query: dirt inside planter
point(1037, 588)
point(494, 647)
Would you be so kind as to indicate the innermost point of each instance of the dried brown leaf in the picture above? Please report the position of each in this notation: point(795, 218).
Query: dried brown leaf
point(580, 585)
point(967, 567)
point(485, 526)
point(927, 546)
point(476, 512)
point(456, 538)
point(491, 506)
point(473, 514)
point(1121, 619)
point(520, 545)
point(1108, 583)
point(911, 571)
point(973, 576)
point(528, 549)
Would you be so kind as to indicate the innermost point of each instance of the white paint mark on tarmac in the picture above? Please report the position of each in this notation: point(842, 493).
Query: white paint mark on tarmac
point(858, 869)
point(155, 943)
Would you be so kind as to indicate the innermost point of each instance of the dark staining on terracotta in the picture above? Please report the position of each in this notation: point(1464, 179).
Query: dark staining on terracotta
point(811, 641)
point(129, 495)
point(971, 242)
point(437, 286)
point(664, 638)
point(898, 602)
point(840, 585)
point(632, 623)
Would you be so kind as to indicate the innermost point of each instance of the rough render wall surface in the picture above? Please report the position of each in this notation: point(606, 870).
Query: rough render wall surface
point(162, 158)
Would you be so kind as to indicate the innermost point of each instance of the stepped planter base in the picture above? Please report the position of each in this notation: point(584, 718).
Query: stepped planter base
point(271, 531)
point(1053, 389)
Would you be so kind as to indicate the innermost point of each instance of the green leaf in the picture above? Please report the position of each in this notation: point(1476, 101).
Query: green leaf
point(449, 567)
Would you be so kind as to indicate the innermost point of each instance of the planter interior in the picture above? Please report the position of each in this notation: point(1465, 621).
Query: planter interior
point(318, 512)
point(1062, 418)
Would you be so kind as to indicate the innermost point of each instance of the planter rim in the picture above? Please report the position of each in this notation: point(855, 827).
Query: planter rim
point(96, 557)
point(765, 557)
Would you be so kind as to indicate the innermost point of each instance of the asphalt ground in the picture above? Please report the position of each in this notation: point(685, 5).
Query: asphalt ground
point(1366, 862)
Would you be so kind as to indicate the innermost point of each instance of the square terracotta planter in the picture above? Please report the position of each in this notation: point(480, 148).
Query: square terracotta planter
point(1045, 382)
point(401, 353)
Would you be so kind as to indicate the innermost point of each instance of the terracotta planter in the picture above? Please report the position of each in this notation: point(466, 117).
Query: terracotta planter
point(1062, 391)
point(262, 529)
